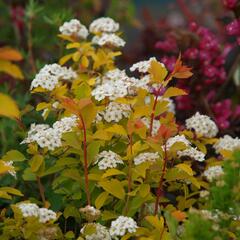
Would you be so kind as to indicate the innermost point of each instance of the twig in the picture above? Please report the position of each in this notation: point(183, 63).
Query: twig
point(85, 160)
point(41, 190)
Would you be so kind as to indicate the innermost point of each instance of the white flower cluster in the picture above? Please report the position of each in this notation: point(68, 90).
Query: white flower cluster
point(171, 105)
point(178, 138)
point(192, 153)
point(156, 125)
point(74, 28)
point(101, 233)
point(50, 137)
point(146, 157)
point(104, 25)
point(143, 66)
point(213, 173)
point(113, 84)
point(12, 171)
point(32, 210)
point(227, 143)
point(114, 112)
point(203, 125)
point(122, 225)
point(109, 39)
point(108, 159)
point(49, 76)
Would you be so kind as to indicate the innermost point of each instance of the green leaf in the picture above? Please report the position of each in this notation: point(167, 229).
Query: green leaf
point(72, 174)
point(101, 199)
point(14, 156)
point(71, 211)
point(144, 190)
point(11, 191)
point(107, 215)
point(93, 150)
point(36, 162)
point(113, 187)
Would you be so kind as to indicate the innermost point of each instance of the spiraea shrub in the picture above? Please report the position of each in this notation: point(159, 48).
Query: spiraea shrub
point(108, 160)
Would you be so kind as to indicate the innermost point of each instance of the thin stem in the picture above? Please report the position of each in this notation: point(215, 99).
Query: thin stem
point(85, 160)
point(41, 190)
point(159, 190)
point(129, 175)
point(153, 115)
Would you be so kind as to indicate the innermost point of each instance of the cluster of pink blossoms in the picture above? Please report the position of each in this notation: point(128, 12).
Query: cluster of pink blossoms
point(206, 52)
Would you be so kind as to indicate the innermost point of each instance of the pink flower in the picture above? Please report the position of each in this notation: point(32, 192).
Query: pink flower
point(230, 4)
point(233, 28)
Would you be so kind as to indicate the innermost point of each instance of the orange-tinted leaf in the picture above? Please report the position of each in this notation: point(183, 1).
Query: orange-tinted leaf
point(180, 216)
point(181, 71)
point(10, 54)
point(11, 69)
point(173, 92)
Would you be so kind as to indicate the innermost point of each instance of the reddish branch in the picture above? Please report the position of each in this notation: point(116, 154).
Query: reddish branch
point(159, 189)
point(41, 191)
point(85, 160)
point(153, 114)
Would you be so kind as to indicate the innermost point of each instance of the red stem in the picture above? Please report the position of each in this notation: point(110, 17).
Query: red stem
point(85, 160)
point(153, 114)
point(159, 190)
point(129, 175)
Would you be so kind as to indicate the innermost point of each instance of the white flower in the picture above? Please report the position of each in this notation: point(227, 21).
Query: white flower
point(46, 136)
point(49, 76)
point(122, 225)
point(74, 28)
point(202, 125)
point(101, 233)
point(113, 84)
point(55, 104)
point(104, 24)
point(156, 125)
point(178, 138)
point(213, 173)
point(28, 209)
point(114, 112)
point(192, 153)
point(146, 157)
point(227, 143)
point(46, 215)
point(32, 210)
point(204, 194)
point(66, 124)
point(108, 159)
point(143, 66)
point(12, 171)
point(109, 39)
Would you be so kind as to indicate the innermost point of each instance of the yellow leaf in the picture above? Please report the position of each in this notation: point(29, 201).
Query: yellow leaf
point(84, 61)
point(101, 199)
point(186, 168)
point(10, 54)
point(4, 168)
point(11, 190)
point(144, 190)
point(173, 91)
point(8, 107)
point(65, 58)
point(73, 45)
point(102, 135)
point(155, 222)
point(140, 111)
point(117, 129)
point(112, 172)
point(76, 56)
point(158, 72)
point(11, 69)
point(113, 187)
